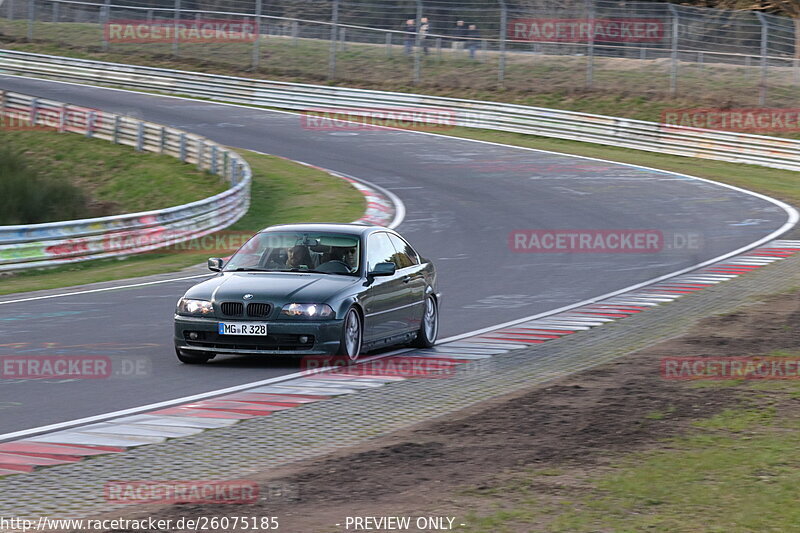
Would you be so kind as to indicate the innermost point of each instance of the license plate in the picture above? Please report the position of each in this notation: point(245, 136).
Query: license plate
point(242, 328)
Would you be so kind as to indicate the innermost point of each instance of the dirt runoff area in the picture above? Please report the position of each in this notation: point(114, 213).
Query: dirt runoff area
point(573, 428)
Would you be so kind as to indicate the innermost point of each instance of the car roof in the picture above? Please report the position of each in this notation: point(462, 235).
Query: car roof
point(352, 229)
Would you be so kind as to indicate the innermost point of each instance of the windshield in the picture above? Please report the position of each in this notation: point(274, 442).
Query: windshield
point(277, 251)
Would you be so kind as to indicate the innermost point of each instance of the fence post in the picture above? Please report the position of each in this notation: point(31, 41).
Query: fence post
point(673, 76)
point(149, 16)
point(62, 119)
point(257, 42)
point(90, 124)
point(342, 39)
point(115, 133)
point(105, 17)
point(334, 35)
point(501, 67)
point(182, 148)
point(56, 11)
point(176, 17)
point(33, 114)
point(762, 84)
point(163, 141)
point(214, 169)
point(796, 63)
point(201, 149)
point(10, 9)
point(388, 44)
point(140, 137)
point(295, 32)
point(417, 45)
point(590, 46)
point(31, 18)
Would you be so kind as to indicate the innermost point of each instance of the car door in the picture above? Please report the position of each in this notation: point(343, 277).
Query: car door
point(385, 311)
point(411, 274)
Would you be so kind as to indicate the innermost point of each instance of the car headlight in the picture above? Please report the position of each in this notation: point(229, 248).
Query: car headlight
point(307, 311)
point(187, 306)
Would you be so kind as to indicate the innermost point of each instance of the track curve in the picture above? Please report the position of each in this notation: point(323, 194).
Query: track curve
point(463, 198)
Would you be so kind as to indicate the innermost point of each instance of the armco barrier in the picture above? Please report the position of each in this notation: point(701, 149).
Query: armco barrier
point(39, 245)
point(650, 136)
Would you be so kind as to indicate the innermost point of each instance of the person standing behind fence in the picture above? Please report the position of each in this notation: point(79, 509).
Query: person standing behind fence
point(410, 29)
point(474, 35)
point(424, 29)
point(460, 34)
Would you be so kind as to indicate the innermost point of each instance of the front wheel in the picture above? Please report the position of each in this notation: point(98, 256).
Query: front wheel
point(429, 328)
point(191, 359)
point(350, 343)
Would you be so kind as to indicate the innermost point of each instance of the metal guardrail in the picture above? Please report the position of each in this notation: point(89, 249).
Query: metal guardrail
point(56, 243)
point(627, 133)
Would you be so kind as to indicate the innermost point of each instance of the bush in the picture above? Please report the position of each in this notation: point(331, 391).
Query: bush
point(26, 198)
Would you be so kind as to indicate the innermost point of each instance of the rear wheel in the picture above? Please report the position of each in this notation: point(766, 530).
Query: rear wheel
point(350, 343)
point(429, 328)
point(191, 359)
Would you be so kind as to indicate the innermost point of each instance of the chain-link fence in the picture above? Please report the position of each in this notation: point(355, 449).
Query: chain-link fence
point(638, 47)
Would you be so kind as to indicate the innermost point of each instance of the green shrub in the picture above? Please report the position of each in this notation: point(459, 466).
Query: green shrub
point(26, 198)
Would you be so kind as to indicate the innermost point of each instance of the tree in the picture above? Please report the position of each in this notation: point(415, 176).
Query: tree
point(789, 8)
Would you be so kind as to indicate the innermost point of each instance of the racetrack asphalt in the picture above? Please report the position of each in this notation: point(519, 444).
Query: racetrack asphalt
point(463, 199)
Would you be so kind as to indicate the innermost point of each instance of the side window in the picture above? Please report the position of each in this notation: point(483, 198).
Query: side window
point(405, 255)
point(379, 250)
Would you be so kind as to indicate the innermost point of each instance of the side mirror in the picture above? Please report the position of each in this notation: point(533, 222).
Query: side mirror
point(215, 264)
point(384, 269)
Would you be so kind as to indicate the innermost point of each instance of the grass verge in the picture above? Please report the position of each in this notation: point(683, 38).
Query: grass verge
point(91, 178)
point(282, 192)
point(720, 460)
point(736, 471)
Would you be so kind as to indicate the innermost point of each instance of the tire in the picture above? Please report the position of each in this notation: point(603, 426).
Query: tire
point(429, 327)
point(352, 335)
point(191, 359)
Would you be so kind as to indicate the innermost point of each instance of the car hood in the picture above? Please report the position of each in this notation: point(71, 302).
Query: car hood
point(275, 287)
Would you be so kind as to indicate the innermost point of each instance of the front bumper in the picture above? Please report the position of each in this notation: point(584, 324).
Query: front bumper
point(283, 337)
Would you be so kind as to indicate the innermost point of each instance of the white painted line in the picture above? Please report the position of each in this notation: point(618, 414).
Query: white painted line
point(104, 289)
point(73, 437)
point(555, 325)
point(344, 383)
point(177, 421)
point(135, 430)
point(635, 302)
point(279, 389)
point(458, 355)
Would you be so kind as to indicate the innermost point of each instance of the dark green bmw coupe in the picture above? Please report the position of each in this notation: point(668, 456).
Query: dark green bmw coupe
point(311, 289)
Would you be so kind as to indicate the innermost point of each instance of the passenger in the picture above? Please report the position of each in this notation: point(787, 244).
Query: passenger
point(298, 256)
